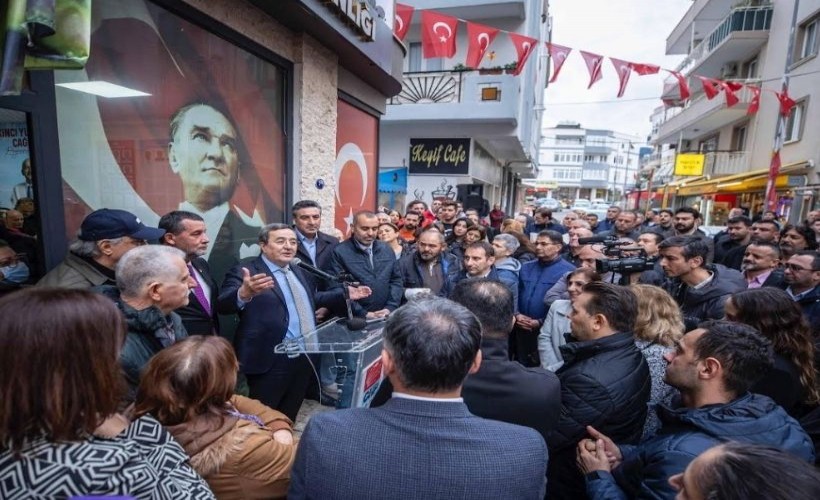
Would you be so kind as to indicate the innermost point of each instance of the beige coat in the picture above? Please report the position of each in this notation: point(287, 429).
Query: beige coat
point(240, 460)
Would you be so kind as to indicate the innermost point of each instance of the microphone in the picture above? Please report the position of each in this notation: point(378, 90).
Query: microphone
point(594, 239)
point(354, 323)
point(313, 270)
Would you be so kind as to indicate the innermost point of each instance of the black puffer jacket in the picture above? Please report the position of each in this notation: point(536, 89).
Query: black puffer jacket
point(605, 383)
point(705, 303)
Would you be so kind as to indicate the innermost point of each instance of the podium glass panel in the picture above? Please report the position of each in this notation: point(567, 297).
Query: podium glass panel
point(357, 354)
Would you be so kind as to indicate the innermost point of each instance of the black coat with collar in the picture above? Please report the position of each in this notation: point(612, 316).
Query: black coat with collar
point(263, 322)
point(382, 277)
point(196, 320)
point(325, 244)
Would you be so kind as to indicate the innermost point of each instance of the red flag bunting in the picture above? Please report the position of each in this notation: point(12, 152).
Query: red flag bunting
point(438, 35)
point(624, 69)
point(404, 14)
point(786, 102)
point(771, 184)
point(524, 46)
point(754, 103)
point(729, 89)
point(645, 69)
point(479, 37)
point(558, 54)
point(709, 86)
point(683, 87)
point(594, 63)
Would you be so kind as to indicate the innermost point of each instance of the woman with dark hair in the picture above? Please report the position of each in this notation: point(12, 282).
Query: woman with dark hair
point(525, 251)
point(774, 314)
point(389, 233)
point(796, 238)
point(240, 446)
point(475, 234)
point(557, 323)
point(61, 385)
point(455, 240)
point(736, 471)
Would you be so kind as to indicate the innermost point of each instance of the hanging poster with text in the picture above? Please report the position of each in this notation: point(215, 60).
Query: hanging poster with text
point(439, 156)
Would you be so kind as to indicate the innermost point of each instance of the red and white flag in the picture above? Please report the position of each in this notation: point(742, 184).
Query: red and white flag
point(710, 87)
point(645, 69)
point(594, 63)
point(479, 38)
point(524, 46)
point(438, 35)
point(624, 70)
point(404, 14)
point(683, 87)
point(729, 89)
point(754, 103)
point(786, 102)
point(558, 54)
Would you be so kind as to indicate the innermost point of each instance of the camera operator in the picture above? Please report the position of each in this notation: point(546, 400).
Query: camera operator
point(699, 289)
point(588, 256)
point(649, 240)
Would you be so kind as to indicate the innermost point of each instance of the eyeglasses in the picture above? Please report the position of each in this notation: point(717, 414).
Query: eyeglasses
point(795, 268)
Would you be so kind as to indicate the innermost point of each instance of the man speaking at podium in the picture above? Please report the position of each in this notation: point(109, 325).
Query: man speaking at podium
point(275, 301)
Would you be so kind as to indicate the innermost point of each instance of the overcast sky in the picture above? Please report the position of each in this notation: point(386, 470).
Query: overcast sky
point(632, 30)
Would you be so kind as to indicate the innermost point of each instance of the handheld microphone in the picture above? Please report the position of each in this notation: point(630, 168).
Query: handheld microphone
point(594, 239)
point(313, 270)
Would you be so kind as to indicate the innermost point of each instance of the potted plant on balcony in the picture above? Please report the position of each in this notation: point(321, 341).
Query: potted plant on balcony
point(494, 70)
point(461, 67)
point(510, 67)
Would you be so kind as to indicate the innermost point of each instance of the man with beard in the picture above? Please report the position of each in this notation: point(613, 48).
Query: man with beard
point(624, 226)
point(609, 222)
point(699, 289)
point(763, 231)
point(410, 227)
point(447, 215)
point(802, 276)
point(187, 232)
point(738, 234)
point(686, 223)
point(761, 264)
point(665, 220)
point(429, 266)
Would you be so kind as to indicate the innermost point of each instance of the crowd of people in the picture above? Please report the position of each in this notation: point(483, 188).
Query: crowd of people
point(629, 357)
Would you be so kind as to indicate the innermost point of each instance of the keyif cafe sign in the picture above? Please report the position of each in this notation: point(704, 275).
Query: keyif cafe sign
point(439, 156)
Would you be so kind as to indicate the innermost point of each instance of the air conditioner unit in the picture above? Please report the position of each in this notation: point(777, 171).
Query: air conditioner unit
point(729, 70)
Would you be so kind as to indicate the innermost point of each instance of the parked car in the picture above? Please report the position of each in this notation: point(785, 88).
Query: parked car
point(581, 205)
point(550, 203)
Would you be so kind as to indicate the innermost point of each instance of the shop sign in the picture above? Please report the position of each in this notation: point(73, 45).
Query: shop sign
point(689, 164)
point(439, 156)
point(357, 14)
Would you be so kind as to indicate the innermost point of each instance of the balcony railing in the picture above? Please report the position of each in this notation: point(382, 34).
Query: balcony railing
point(430, 87)
point(727, 162)
point(740, 19)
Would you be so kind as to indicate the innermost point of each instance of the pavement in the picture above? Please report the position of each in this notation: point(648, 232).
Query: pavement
point(309, 408)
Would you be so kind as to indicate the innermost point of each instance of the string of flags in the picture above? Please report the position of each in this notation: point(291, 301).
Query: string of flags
point(438, 40)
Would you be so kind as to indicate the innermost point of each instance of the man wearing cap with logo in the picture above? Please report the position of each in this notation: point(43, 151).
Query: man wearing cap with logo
point(104, 237)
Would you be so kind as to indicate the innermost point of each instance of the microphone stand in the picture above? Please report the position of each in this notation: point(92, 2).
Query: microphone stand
point(347, 280)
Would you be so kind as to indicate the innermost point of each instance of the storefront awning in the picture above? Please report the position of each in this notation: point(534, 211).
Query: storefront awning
point(740, 182)
point(393, 180)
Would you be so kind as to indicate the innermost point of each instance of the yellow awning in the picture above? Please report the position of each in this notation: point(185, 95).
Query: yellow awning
point(736, 181)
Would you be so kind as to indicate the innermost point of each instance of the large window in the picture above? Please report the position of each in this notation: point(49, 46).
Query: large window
point(167, 116)
point(794, 123)
point(807, 38)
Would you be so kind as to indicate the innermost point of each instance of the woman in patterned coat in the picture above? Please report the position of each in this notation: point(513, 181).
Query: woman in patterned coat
point(61, 384)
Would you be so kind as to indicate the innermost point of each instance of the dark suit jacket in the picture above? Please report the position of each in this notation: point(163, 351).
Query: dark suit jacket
point(417, 449)
point(383, 277)
point(229, 239)
point(194, 317)
point(263, 322)
point(325, 244)
point(505, 390)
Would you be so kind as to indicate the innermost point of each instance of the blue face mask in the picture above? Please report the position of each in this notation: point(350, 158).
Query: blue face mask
point(15, 274)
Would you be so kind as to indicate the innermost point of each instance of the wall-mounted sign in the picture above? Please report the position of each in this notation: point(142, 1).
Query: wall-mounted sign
point(439, 156)
point(689, 164)
point(357, 14)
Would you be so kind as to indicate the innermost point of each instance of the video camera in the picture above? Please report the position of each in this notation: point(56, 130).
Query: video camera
point(618, 262)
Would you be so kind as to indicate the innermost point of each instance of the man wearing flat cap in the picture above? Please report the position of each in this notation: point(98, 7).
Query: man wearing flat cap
point(105, 235)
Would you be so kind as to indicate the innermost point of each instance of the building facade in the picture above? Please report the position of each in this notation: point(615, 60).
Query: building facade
point(577, 163)
point(280, 100)
point(490, 115)
point(750, 43)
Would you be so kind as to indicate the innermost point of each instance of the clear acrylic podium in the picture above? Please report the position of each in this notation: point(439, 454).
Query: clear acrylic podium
point(357, 354)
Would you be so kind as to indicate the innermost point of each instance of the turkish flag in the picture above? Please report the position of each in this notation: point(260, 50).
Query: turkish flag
point(771, 184)
point(644, 69)
point(786, 102)
point(594, 63)
point(438, 35)
point(404, 14)
point(558, 54)
point(524, 46)
point(624, 69)
point(710, 86)
point(729, 89)
point(683, 87)
point(479, 37)
point(754, 104)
